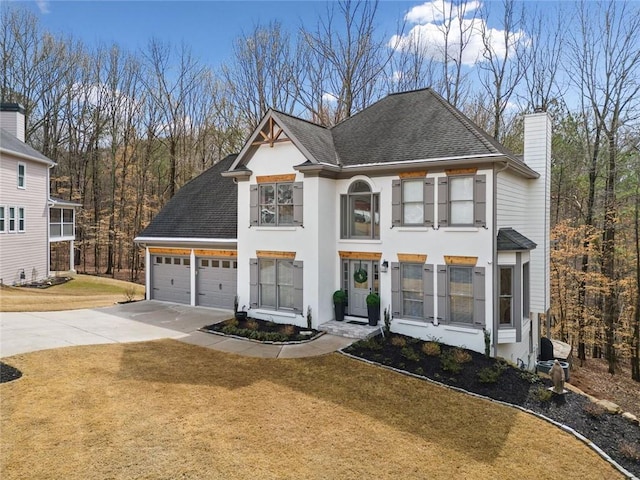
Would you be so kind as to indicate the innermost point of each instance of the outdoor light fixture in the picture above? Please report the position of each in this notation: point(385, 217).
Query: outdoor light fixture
point(384, 266)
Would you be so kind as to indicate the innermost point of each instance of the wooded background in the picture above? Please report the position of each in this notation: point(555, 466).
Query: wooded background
point(128, 128)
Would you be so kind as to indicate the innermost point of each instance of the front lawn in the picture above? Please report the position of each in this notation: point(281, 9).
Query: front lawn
point(167, 409)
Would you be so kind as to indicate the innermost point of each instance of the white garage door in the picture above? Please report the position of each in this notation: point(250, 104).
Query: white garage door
point(217, 282)
point(171, 279)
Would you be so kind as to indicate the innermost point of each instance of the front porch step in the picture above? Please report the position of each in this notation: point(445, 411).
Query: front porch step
point(349, 330)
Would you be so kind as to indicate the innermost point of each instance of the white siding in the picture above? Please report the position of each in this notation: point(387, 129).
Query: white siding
point(29, 250)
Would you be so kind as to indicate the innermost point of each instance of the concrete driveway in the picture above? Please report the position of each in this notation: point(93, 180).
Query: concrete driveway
point(139, 322)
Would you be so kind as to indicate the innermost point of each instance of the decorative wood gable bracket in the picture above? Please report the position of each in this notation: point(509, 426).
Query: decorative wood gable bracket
point(270, 134)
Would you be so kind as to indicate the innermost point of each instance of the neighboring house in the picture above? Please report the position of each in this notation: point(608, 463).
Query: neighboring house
point(25, 205)
point(451, 228)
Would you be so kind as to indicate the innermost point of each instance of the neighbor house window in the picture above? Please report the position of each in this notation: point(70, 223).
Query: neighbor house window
point(413, 202)
point(360, 216)
point(276, 283)
point(506, 296)
point(21, 219)
point(412, 290)
point(12, 219)
point(460, 294)
point(461, 201)
point(2, 219)
point(61, 222)
point(275, 204)
point(525, 290)
point(22, 174)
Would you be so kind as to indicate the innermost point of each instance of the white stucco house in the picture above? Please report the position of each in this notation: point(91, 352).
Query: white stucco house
point(451, 228)
point(30, 220)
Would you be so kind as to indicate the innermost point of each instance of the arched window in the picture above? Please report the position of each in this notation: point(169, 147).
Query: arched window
point(360, 212)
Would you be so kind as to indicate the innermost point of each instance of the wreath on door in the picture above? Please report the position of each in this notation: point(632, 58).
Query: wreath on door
point(360, 275)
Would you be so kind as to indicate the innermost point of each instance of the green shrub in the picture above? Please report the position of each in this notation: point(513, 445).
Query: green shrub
point(542, 394)
point(410, 354)
point(431, 349)
point(489, 375)
point(339, 297)
point(530, 377)
point(419, 371)
point(397, 341)
point(373, 300)
point(371, 343)
point(449, 362)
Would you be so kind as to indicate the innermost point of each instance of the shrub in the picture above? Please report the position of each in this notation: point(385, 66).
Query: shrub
point(419, 371)
point(373, 300)
point(489, 375)
point(461, 356)
point(288, 330)
point(542, 394)
point(431, 349)
point(630, 451)
point(371, 344)
point(593, 410)
point(449, 362)
point(410, 354)
point(339, 297)
point(398, 341)
point(530, 377)
point(252, 324)
point(233, 322)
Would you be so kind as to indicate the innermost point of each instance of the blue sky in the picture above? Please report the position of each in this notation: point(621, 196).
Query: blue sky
point(208, 27)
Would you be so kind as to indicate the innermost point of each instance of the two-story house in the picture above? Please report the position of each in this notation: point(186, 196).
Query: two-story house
point(408, 198)
point(26, 234)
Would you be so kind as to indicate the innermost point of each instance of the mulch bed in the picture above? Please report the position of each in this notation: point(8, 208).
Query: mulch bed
point(264, 331)
point(8, 373)
point(616, 436)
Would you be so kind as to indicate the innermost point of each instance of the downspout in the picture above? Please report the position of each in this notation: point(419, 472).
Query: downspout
point(494, 227)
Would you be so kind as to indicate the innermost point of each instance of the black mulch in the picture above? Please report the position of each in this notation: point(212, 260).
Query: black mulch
point(262, 330)
point(8, 373)
point(612, 433)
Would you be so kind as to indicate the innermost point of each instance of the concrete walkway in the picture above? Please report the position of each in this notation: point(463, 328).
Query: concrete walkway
point(138, 322)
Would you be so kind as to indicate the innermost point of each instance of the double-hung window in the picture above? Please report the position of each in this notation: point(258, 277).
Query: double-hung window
point(412, 290)
point(22, 175)
point(360, 212)
point(276, 283)
point(461, 295)
point(3, 224)
point(12, 219)
point(462, 201)
point(21, 219)
point(506, 296)
point(412, 202)
point(276, 204)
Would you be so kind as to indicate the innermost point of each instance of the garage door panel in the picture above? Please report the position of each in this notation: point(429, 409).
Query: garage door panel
point(217, 282)
point(171, 279)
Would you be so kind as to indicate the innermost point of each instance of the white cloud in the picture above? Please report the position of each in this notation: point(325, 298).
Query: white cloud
point(329, 98)
point(427, 36)
point(43, 5)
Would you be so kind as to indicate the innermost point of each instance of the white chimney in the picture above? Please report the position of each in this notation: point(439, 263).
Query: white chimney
point(537, 155)
point(12, 119)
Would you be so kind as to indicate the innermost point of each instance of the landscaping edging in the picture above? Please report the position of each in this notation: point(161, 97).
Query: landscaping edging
point(264, 342)
point(563, 427)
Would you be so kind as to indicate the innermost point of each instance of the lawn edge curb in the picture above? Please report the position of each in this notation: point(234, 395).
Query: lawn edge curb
point(562, 426)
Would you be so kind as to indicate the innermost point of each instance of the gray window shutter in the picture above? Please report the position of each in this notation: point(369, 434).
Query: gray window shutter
point(254, 208)
point(254, 278)
point(344, 217)
point(480, 196)
point(298, 298)
point(297, 203)
point(429, 198)
point(396, 297)
point(517, 297)
point(427, 291)
point(396, 203)
point(478, 297)
point(443, 314)
point(443, 202)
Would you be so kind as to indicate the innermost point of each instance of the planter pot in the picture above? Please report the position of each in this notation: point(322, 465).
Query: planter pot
point(241, 315)
point(374, 314)
point(338, 309)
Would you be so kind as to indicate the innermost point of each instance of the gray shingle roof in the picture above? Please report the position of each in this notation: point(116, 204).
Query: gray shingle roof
point(205, 207)
point(11, 144)
point(315, 138)
point(510, 239)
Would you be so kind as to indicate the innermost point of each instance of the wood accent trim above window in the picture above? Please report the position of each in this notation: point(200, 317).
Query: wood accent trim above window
point(275, 254)
point(170, 251)
point(360, 255)
point(461, 171)
point(217, 253)
point(412, 258)
point(460, 260)
point(289, 177)
point(416, 174)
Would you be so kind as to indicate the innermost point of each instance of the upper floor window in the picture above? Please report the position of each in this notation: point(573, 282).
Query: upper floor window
point(412, 202)
point(22, 175)
point(61, 222)
point(360, 212)
point(462, 201)
point(273, 204)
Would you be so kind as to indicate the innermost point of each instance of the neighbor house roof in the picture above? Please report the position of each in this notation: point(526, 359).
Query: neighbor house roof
point(205, 207)
point(510, 239)
point(11, 145)
point(410, 126)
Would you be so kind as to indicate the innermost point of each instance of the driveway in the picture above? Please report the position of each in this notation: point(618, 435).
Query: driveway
point(139, 322)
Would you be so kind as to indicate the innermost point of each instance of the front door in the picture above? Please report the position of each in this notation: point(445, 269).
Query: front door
point(361, 280)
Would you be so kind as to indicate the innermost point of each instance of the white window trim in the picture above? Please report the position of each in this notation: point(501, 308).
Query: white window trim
point(3, 217)
point(24, 176)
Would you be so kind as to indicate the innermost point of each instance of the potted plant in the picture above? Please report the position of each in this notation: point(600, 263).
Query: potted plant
point(339, 302)
point(241, 314)
point(373, 308)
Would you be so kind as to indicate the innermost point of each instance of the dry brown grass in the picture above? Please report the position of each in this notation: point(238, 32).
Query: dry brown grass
point(84, 291)
point(170, 410)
